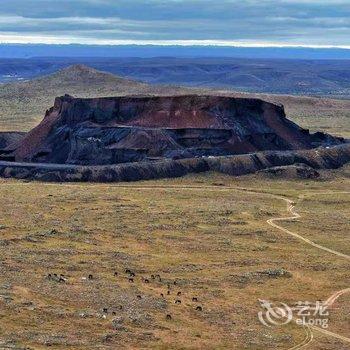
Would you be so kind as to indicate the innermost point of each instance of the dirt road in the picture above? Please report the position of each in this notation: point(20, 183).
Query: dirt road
point(332, 299)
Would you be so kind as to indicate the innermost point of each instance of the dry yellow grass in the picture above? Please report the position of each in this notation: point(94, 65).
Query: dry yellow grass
point(210, 239)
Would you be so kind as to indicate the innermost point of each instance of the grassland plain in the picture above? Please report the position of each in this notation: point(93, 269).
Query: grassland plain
point(207, 239)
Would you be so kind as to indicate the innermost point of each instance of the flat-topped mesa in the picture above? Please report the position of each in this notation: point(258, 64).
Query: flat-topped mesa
point(178, 112)
point(97, 131)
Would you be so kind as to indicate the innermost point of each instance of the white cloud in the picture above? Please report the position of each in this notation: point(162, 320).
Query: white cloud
point(308, 23)
point(47, 39)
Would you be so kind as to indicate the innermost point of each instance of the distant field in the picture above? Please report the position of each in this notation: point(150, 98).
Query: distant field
point(23, 105)
point(213, 242)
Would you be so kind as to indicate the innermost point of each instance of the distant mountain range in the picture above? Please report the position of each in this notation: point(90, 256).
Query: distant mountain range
point(279, 76)
point(150, 51)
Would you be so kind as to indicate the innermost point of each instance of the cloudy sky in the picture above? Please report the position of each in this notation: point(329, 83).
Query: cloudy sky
point(315, 23)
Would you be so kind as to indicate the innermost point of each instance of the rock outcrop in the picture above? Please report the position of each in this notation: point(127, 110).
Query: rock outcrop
point(8, 138)
point(295, 171)
point(103, 131)
point(319, 158)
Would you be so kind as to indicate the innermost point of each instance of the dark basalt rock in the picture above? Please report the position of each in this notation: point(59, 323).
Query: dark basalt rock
point(105, 131)
point(319, 158)
point(295, 171)
point(10, 137)
point(8, 142)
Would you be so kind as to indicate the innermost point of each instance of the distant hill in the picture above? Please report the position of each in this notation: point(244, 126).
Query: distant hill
point(23, 104)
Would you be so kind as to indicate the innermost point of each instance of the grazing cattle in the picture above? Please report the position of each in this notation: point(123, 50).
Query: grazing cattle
point(178, 293)
point(153, 277)
point(168, 292)
point(90, 277)
point(132, 274)
point(131, 280)
point(115, 274)
point(177, 301)
point(139, 297)
point(199, 308)
point(108, 338)
point(105, 310)
point(146, 280)
point(127, 271)
point(57, 278)
point(194, 299)
point(168, 317)
point(162, 295)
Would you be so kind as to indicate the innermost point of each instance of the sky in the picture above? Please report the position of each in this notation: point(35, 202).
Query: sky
point(246, 23)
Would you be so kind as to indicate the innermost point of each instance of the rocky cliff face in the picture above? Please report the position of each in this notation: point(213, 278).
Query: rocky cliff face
point(8, 138)
point(126, 129)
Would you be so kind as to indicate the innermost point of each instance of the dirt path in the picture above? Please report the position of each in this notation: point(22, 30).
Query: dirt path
point(332, 299)
point(295, 215)
point(308, 339)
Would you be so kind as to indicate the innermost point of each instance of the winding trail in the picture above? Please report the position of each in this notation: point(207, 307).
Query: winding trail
point(308, 339)
point(295, 215)
point(332, 299)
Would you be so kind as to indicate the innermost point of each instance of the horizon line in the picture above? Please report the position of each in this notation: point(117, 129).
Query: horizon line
point(167, 43)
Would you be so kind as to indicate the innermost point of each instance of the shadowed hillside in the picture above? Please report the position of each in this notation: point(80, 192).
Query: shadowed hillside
point(317, 114)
